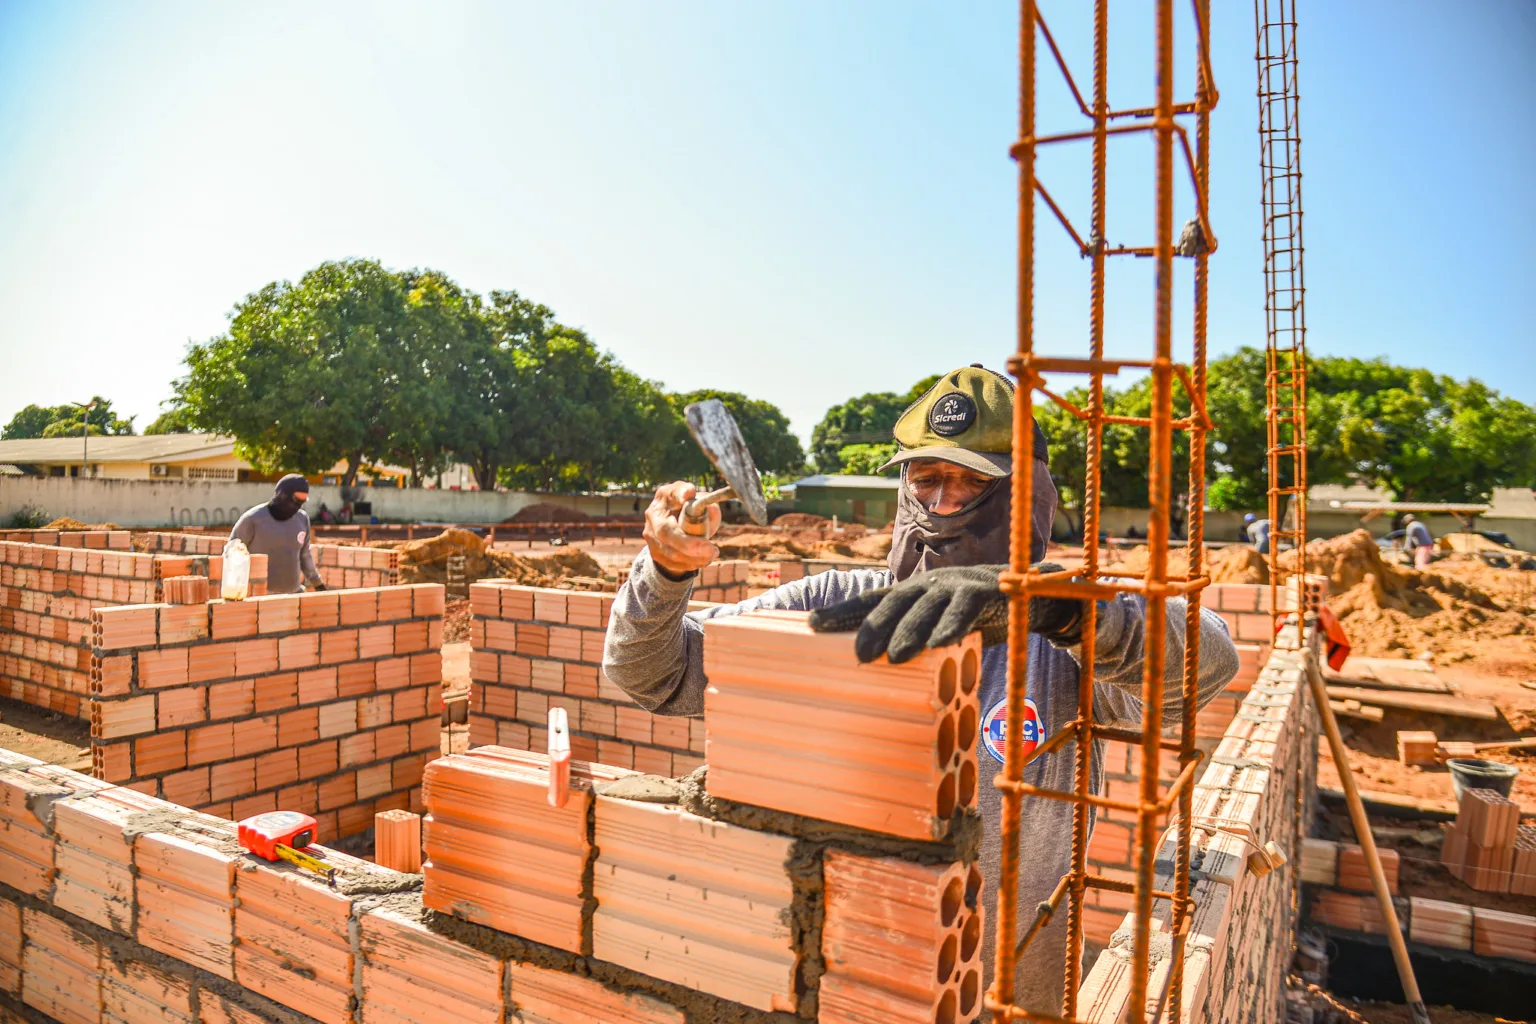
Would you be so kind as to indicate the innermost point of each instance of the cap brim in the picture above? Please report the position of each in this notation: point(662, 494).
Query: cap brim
point(986, 463)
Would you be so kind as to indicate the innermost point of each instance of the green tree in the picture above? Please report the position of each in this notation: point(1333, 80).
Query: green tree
point(175, 420)
point(489, 435)
point(866, 459)
point(867, 419)
point(63, 420)
point(308, 374)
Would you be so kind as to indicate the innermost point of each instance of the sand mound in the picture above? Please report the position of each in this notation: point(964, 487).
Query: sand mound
point(1237, 563)
point(1454, 609)
point(547, 512)
point(426, 561)
point(66, 523)
point(799, 520)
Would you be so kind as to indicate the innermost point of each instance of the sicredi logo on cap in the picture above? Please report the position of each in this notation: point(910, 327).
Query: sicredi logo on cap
point(952, 414)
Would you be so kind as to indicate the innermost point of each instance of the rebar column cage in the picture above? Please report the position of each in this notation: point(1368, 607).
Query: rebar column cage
point(1020, 582)
point(1285, 300)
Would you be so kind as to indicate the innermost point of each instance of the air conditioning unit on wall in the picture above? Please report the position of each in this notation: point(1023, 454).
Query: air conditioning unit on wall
point(159, 469)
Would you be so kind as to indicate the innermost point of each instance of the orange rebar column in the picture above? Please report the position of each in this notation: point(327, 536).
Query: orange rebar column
point(1021, 582)
point(1285, 292)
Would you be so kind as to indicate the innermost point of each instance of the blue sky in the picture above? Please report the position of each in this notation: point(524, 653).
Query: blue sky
point(797, 200)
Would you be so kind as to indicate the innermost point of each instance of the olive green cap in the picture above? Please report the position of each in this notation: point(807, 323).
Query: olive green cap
point(966, 418)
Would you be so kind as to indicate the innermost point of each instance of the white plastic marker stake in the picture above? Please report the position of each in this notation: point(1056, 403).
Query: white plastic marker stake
point(559, 758)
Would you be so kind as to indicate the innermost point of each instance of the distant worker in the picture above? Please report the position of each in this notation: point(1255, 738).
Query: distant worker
point(1417, 541)
point(1258, 532)
point(280, 530)
point(325, 516)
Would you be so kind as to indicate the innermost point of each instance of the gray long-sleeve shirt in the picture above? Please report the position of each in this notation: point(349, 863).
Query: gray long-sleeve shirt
point(285, 542)
point(655, 653)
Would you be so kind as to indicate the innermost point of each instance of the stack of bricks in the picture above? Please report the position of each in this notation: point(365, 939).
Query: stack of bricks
point(185, 590)
point(1416, 746)
point(150, 912)
point(852, 909)
point(1522, 877)
point(1504, 934)
point(1319, 861)
point(534, 649)
point(1479, 847)
point(718, 582)
point(47, 594)
point(1355, 912)
point(342, 567)
point(1440, 923)
point(792, 569)
point(1354, 874)
point(883, 747)
point(1238, 942)
point(96, 540)
point(325, 703)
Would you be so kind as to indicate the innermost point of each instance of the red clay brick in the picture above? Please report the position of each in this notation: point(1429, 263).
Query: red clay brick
point(634, 724)
point(161, 668)
point(277, 614)
point(300, 650)
point(161, 752)
point(233, 619)
point(427, 600)
point(653, 761)
point(376, 641)
point(319, 611)
point(356, 749)
point(338, 646)
point(277, 692)
point(185, 894)
point(391, 673)
point(546, 995)
point(318, 759)
point(61, 969)
point(373, 781)
point(338, 719)
point(231, 779)
point(318, 685)
point(126, 717)
point(392, 741)
point(411, 637)
point(294, 946)
point(126, 626)
point(188, 788)
point(255, 735)
point(181, 624)
point(183, 706)
point(359, 607)
point(338, 790)
point(296, 727)
point(394, 603)
point(354, 678)
point(232, 700)
point(277, 768)
point(426, 668)
point(254, 657)
point(207, 662)
point(211, 743)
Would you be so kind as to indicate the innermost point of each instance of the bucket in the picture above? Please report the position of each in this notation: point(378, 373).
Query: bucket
point(1475, 773)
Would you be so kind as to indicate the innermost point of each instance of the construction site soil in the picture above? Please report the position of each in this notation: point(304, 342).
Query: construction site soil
point(426, 561)
point(852, 543)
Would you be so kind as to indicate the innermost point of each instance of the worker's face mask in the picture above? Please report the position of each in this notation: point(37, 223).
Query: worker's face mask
point(284, 506)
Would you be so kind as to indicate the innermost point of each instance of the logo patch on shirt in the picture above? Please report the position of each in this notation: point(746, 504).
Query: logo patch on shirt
point(994, 728)
point(302, 535)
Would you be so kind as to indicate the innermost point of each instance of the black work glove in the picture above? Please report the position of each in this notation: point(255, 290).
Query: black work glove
point(319, 586)
point(938, 608)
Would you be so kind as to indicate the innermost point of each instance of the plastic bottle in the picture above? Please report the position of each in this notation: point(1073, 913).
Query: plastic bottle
point(236, 582)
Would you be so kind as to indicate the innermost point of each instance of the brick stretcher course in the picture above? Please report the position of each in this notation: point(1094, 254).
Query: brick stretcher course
point(343, 567)
point(47, 595)
point(327, 703)
point(1239, 944)
point(534, 648)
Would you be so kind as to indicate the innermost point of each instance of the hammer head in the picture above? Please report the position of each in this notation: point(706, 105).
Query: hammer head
point(714, 428)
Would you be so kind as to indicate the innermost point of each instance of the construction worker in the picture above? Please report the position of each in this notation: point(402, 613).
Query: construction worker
point(949, 543)
point(280, 530)
point(1417, 541)
point(1258, 532)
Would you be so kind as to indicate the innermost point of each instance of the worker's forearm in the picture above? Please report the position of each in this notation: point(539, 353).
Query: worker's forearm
point(653, 652)
point(1122, 647)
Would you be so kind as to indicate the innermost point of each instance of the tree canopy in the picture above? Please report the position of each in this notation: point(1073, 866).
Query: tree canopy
point(1417, 435)
point(359, 364)
point(65, 421)
point(864, 420)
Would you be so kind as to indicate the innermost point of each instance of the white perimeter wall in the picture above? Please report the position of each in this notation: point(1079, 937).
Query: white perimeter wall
point(212, 502)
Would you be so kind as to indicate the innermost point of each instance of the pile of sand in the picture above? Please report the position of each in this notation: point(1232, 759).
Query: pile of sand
point(1454, 609)
point(547, 512)
point(1236, 563)
point(426, 561)
point(799, 520)
point(66, 523)
point(755, 544)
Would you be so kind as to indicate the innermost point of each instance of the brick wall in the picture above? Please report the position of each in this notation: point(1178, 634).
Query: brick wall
point(341, 566)
point(326, 703)
point(718, 582)
point(535, 648)
point(47, 595)
point(1240, 935)
point(116, 906)
point(114, 540)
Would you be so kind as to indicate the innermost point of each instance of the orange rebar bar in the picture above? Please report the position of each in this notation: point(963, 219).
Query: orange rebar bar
point(1157, 583)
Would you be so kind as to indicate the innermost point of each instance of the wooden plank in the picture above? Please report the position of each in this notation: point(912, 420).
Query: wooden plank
point(1354, 709)
point(1412, 683)
point(1433, 703)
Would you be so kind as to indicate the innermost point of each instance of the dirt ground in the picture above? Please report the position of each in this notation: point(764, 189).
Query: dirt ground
point(45, 735)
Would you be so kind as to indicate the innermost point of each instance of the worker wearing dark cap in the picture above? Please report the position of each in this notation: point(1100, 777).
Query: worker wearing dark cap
point(950, 541)
point(280, 530)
